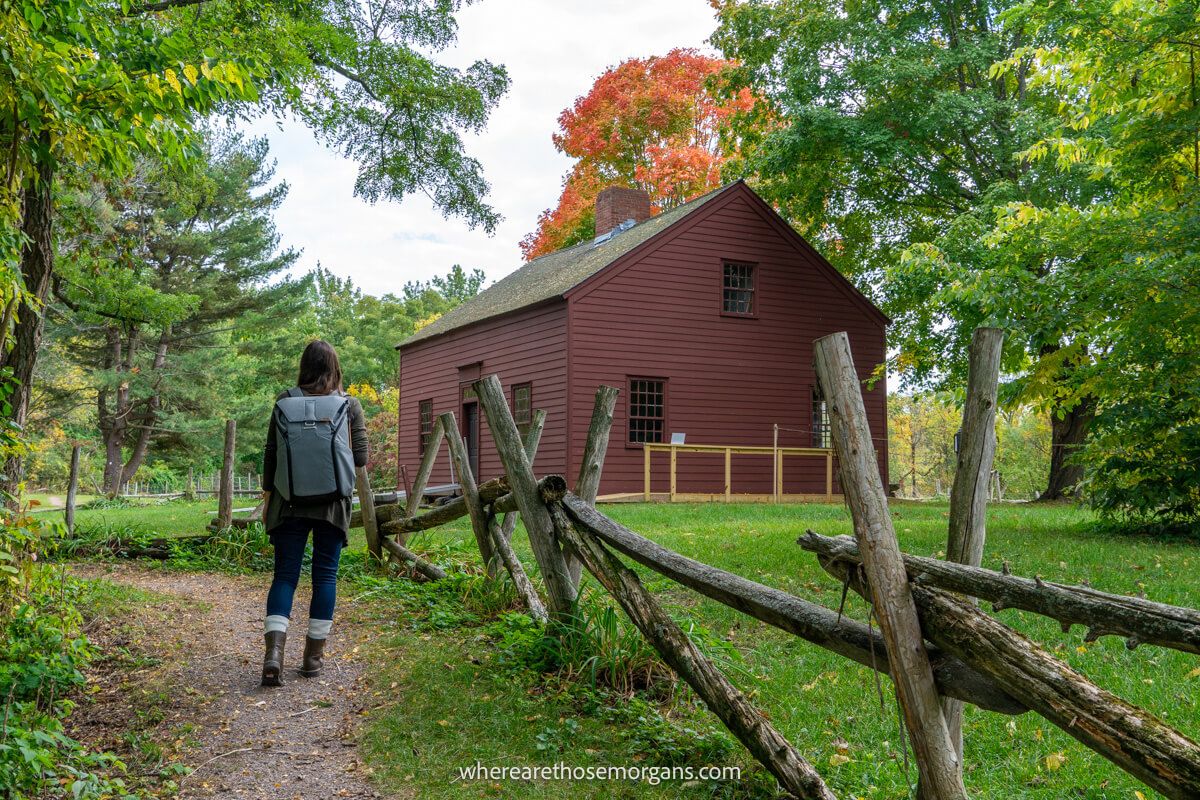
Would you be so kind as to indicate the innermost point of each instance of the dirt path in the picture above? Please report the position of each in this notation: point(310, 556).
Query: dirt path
point(202, 647)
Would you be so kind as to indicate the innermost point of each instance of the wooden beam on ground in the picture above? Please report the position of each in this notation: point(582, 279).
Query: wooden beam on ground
point(225, 503)
point(1138, 621)
point(937, 761)
point(412, 501)
point(559, 590)
point(969, 493)
point(745, 721)
point(366, 505)
point(430, 571)
point(516, 571)
point(72, 490)
point(815, 623)
point(470, 491)
point(591, 465)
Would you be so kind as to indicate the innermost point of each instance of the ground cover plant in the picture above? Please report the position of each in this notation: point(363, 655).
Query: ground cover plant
point(459, 675)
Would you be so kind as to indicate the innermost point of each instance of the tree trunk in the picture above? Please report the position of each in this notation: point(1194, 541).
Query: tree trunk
point(1066, 436)
point(37, 267)
point(149, 417)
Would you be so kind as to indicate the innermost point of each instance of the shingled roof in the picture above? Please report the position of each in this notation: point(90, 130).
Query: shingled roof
point(555, 274)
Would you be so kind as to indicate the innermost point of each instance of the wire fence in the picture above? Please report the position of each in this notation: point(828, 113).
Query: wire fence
point(198, 485)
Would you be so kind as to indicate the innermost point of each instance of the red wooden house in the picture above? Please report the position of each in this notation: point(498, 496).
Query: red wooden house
point(703, 315)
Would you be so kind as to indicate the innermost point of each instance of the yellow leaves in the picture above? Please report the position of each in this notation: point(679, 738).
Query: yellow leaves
point(1054, 761)
point(837, 759)
point(1139, 795)
point(1194, 673)
point(191, 73)
point(432, 318)
point(173, 79)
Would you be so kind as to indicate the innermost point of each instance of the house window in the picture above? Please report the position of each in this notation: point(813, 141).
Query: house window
point(737, 289)
point(522, 405)
point(425, 419)
point(820, 420)
point(647, 409)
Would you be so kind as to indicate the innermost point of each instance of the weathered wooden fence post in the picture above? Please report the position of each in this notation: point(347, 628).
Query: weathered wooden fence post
point(969, 494)
point(746, 722)
point(72, 490)
point(533, 438)
point(225, 504)
point(413, 500)
point(470, 489)
point(366, 501)
point(553, 564)
point(937, 761)
point(591, 466)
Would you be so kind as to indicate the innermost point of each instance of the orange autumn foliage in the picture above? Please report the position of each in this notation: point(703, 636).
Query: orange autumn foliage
point(658, 124)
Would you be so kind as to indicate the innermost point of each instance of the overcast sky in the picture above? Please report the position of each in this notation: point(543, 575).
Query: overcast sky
point(554, 50)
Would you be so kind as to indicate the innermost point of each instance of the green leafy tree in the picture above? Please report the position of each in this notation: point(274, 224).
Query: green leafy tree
point(94, 84)
point(1127, 122)
point(895, 145)
point(188, 251)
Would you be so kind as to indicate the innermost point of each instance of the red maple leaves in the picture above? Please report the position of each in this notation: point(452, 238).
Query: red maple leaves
point(657, 123)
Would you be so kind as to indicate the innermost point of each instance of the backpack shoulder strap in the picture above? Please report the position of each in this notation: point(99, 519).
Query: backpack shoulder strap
point(295, 391)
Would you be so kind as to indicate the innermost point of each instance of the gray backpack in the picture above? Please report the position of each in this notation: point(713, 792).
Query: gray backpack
point(315, 463)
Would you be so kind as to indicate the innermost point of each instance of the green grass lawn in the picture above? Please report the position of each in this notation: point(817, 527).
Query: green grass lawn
point(152, 517)
point(827, 706)
point(447, 698)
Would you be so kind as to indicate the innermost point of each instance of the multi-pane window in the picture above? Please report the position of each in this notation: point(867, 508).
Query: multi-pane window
point(522, 405)
point(647, 409)
point(737, 289)
point(425, 419)
point(820, 420)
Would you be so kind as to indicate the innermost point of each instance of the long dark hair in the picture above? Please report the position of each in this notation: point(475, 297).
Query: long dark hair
point(320, 371)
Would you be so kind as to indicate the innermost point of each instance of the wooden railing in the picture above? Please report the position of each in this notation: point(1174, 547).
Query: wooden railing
point(777, 454)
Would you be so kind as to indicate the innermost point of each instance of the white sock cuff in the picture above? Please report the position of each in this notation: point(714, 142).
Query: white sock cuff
point(319, 628)
point(275, 622)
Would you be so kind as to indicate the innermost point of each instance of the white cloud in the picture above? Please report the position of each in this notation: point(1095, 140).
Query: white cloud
point(553, 52)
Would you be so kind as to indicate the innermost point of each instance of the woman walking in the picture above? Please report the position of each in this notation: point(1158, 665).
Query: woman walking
point(315, 432)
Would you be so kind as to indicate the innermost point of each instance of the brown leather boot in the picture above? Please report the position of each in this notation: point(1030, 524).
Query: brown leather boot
point(314, 657)
point(272, 671)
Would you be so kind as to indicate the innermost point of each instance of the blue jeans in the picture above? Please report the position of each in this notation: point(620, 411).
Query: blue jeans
point(289, 537)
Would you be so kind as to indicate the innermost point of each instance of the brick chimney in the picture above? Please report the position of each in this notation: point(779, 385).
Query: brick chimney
point(616, 204)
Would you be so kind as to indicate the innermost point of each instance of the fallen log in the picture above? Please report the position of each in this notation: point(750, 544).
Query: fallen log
point(431, 571)
point(1139, 621)
point(810, 621)
point(724, 699)
point(1130, 737)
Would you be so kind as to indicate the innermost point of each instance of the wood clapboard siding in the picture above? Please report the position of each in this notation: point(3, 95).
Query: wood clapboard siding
point(527, 346)
point(729, 379)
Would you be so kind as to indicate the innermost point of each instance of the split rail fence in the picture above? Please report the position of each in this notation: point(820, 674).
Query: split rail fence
point(939, 648)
